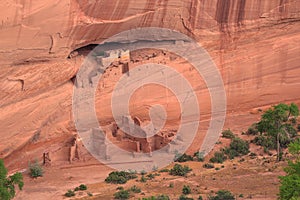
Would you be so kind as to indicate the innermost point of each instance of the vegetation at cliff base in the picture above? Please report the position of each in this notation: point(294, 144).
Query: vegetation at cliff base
point(276, 127)
point(120, 177)
point(290, 184)
point(7, 184)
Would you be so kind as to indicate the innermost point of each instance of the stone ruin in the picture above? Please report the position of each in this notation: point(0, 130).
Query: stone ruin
point(92, 68)
point(124, 137)
point(75, 153)
point(46, 158)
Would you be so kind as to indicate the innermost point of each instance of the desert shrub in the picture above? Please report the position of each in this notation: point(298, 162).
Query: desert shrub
point(252, 130)
point(200, 198)
point(135, 189)
point(231, 153)
point(237, 147)
point(171, 185)
point(35, 169)
point(162, 197)
point(120, 188)
point(183, 158)
point(119, 177)
point(143, 179)
point(199, 156)
point(122, 194)
point(179, 170)
point(154, 168)
point(222, 195)
point(82, 187)
point(298, 127)
point(186, 189)
point(143, 172)
point(208, 165)
point(159, 197)
point(265, 141)
point(164, 170)
point(150, 176)
point(228, 134)
point(252, 154)
point(70, 193)
point(219, 157)
point(183, 197)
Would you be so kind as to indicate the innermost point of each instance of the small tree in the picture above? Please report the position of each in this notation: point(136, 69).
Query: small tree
point(290, 184)
point(275, 122)
point(7, 184)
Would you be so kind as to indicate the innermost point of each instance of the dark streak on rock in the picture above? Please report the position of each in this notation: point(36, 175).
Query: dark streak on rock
point(222, 13)
point(241, 11)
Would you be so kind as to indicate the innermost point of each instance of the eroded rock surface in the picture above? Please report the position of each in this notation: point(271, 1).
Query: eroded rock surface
point(43, 43)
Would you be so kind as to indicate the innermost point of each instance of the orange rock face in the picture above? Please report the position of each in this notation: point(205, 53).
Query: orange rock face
point(255, 45)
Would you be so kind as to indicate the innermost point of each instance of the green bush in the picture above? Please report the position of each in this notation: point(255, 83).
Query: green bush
point(135, 189)
point(164, 170)
point(200, 198)
point(222, 195)
point(122, 194)
point(35, 170)
point(252, 130)
point(228, 134)
point(179, 170)
point(143, 179)
point(70, 193)
point(183, 197)
point(298, 127)
point(219, 157)
point(120, 188)
point(186, 189)
point(240, 146)
point(231, 153)
point(82, 187)
point(143, 172)
point(265, 141)
point(159, 197)
point(150, 176)
point(290, 183)
point(237, 147)
point(208, 165)
point(162, 197)
point(183, 158)
point(199, 156)
point(119, 177)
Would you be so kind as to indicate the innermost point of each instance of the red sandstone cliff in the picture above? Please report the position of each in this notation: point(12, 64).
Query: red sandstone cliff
point(255, 44)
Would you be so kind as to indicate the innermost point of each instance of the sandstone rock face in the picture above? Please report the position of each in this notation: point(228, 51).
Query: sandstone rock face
point(254, 43)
